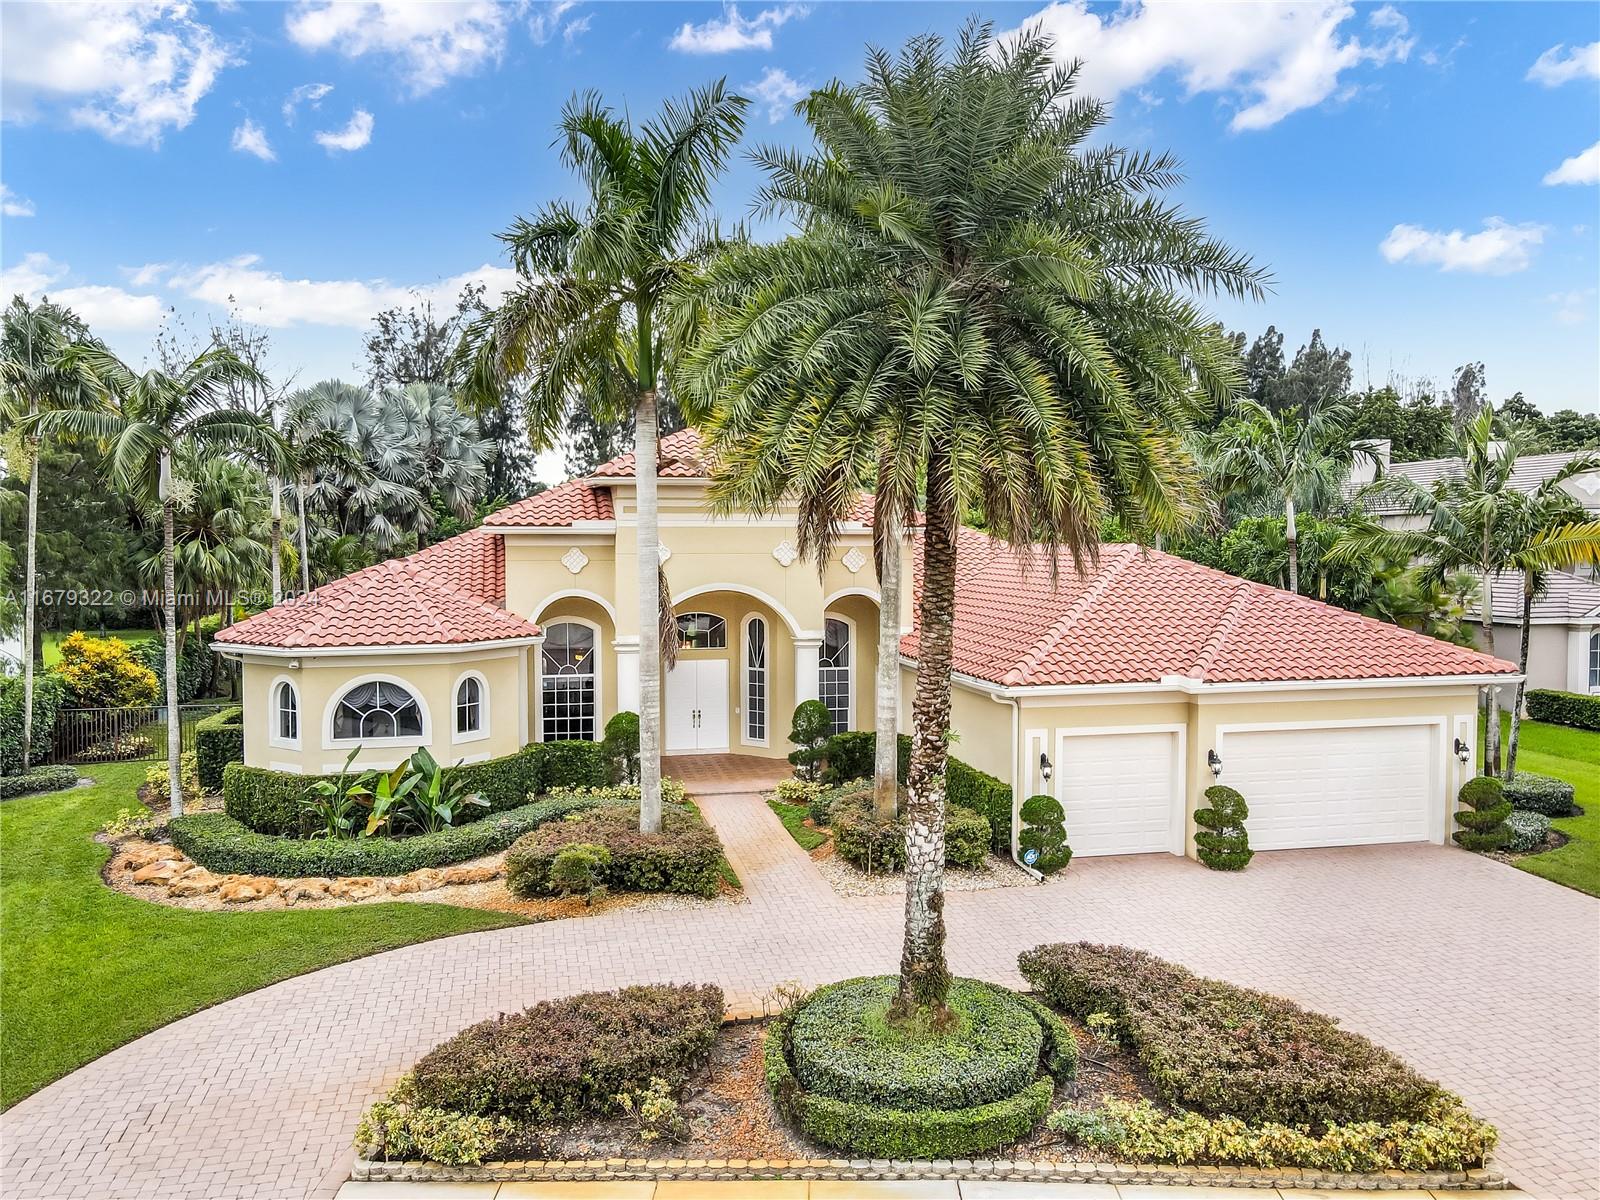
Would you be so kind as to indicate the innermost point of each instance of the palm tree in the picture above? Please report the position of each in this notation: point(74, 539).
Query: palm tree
point(1300, 459)
point(993, 306)
point(315, 450)
point(31, 378)
point(451, 453)
point(145, 419)
point(584, 323)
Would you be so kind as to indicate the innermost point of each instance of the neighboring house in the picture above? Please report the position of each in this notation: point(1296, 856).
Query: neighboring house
point(1564, 634)
point(1122, 689)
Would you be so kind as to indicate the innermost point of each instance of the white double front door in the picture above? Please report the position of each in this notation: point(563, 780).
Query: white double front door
point(695, 711)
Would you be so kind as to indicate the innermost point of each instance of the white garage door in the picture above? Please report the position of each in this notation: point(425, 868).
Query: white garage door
point(1119, 791)
point(1333, 787)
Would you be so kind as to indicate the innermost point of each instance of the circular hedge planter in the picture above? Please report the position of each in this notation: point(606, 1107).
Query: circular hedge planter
point(838, 1070)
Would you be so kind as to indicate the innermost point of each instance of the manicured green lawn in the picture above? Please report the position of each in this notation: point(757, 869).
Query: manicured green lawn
point(1573, 755)
point(84, 969)
point(794, 817)
point(52, 640)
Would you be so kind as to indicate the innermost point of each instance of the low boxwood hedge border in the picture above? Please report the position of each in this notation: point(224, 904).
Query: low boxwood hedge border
point(269, 801)
point(39, 779)
point(222, 844)
point(1564, 708)
point(896, 1133)
point(218, 741)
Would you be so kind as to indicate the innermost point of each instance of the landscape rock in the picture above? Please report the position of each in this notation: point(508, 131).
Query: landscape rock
point(161, 872)
point(240, 889)
point(468, 874)
point(357, 887)
point(199, 882)
point(312, 888)
point(424, 880)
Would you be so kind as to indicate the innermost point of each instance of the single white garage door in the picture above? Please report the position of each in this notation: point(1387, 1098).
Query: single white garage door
point(1333, 787)
point(1119, 791)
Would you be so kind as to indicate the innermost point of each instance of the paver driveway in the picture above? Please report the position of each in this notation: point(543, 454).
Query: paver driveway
point(1483, 976)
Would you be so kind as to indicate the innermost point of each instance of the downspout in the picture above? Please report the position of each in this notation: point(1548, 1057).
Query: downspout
point(1016, 801)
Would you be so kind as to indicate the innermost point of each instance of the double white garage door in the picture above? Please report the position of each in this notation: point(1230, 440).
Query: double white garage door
point(1335, 786)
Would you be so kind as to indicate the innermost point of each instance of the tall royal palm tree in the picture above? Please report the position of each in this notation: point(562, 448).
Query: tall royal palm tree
point(145, 419)
point(1298, 458)
point(997, 308)
point(584, 323)
point(32, 342)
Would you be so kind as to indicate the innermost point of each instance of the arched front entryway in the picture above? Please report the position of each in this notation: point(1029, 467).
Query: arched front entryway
point(847, 661)
point(733, 686)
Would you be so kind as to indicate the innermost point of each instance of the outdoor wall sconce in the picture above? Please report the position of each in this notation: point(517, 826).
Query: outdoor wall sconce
point(1463, 752)
point(1045, 768)
point(1215, 763)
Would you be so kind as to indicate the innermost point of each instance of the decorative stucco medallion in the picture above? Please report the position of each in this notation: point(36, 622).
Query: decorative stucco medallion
point(575, 560)
point(854, 560)
point(785, 552)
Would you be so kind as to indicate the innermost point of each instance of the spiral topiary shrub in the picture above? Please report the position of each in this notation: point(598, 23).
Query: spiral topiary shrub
point(1222, 842)
point(1044, 834)
point(1483, 820)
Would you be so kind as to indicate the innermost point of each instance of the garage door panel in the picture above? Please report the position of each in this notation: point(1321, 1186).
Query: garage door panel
point(1117, 791)
point(1332, 786)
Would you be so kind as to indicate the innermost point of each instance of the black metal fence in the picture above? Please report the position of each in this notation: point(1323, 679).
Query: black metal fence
point(133, 734)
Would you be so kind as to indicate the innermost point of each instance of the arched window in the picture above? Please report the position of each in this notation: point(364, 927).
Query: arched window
point(833, 673)
point(702, 631)
point(469, 705)
point(755, 681)
point(1594, 661)
point(375, 711)
point(568, 682)
point(285, 713)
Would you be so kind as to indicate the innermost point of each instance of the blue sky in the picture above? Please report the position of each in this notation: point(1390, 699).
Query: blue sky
point(1419, 178)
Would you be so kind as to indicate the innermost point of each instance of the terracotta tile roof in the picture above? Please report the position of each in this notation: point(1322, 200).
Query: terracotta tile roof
point(448, 594)
point(561, 505)
point(1139, 615)
point(680, 457)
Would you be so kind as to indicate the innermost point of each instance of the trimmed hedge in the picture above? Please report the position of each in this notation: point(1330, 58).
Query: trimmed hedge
point(1528, 830)
point(39, 779)
point(1539, 794)
point(218, 741)
point(270, 801)
point(685, 857)
point(1229, 1051)
point(1483, 820)
point(893, 1133)
point(49, 695)
point(222, 844)
point(870, 844)
point(1222, 842)
point(1044, 831)
point(1564, 708)
point(563, 1058)
point(850, 756)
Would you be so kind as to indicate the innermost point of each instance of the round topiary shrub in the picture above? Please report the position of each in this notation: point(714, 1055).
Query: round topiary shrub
point(1539, 793)
point(621, 747)
point(1044, 835)
point(864, 841)
point(849, 1078)
point(1528, 830)
point(1222, 842)
point(1483, 820)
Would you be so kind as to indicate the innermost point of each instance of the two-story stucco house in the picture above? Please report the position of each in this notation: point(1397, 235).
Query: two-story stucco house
point(1124, 689)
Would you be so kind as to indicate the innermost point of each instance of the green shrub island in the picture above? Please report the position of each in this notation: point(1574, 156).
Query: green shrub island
point(621, 747)
point(49, 697)
point(810, 730)
point(218, 741)
point(1564, 708)
point(685, 857)
point(1043, 840)
point(1483, 820)
point(38, 779)
point(866, 842)
point(1539, 794)
point(840, 1071)
point(1528, 830)
point(1222, 842)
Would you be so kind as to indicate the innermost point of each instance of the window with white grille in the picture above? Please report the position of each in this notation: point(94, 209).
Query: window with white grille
point(568, 683)
point(833, 675)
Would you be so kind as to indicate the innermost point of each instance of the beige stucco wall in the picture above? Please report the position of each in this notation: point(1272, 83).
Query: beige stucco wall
point(432, 678)
point(1549, 656)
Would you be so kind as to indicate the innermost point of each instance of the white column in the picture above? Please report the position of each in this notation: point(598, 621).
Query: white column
point(1577, 660)
point(627, 674)
point(807, 663)
point(524, 693)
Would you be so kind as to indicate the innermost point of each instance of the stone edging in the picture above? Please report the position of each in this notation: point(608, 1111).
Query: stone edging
point(1488, 1178)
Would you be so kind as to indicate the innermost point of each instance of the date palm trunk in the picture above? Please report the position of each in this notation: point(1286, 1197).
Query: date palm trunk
point(30, 590)
point(924, 976)
point(1528, 581)
point(886, 714)
point(648, 554)
point(169, 606)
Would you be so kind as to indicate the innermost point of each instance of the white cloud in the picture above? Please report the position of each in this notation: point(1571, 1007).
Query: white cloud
point(778, 92)
point(433, 43)
point(1572, 308)
point(1559, 64)
point(13, 205)
point(735, 32)
point(1499, 248)
point(103, 307)
point(250, 138)
point(309, 94)
point(128, 71)
point(576, 28)
point(268, 298)
point(545, 20)
point(352, 137)
point(146, 275)
point(1271, 59)
point(1580, 168)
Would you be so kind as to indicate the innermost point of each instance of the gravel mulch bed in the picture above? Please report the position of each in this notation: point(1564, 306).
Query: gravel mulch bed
point(847, 880)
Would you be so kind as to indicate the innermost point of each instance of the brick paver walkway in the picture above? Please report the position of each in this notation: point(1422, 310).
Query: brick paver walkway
point(1482, 976)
